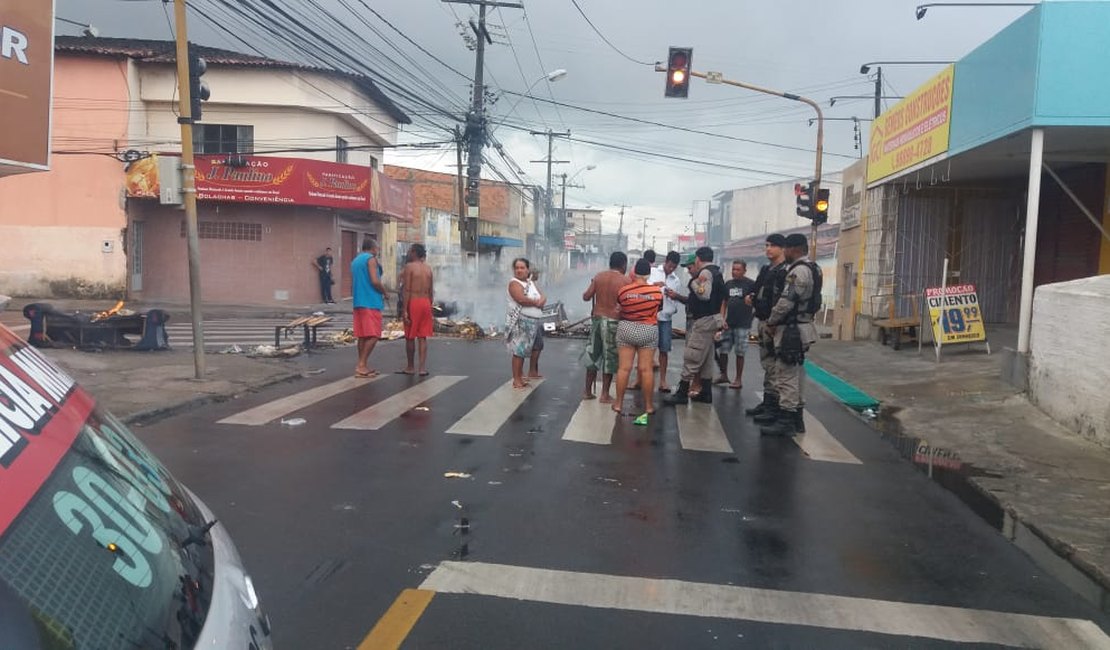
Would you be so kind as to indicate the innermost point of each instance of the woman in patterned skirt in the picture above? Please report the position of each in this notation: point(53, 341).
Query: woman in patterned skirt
point(525, 311)
point(638, 335)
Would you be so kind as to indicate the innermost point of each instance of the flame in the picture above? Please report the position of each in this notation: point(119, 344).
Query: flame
point(101, 315)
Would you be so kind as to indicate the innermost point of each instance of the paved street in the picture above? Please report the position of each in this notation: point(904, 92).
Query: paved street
point(488, 518)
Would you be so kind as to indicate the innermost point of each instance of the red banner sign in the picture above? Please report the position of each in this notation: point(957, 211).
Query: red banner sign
point(283, 181)
point(291, 181)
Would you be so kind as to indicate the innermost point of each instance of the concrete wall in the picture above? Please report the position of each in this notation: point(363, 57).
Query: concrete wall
point(1069, 360)
point(65, 226)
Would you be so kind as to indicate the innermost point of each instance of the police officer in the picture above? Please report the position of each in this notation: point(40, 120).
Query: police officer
point(771, 275)
point(703, 321)
point(791, 324)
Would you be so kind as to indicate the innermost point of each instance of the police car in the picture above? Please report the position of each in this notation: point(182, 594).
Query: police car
point(99, 546)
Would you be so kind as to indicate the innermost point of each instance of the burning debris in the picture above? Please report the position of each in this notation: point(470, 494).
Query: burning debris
point(108, 313)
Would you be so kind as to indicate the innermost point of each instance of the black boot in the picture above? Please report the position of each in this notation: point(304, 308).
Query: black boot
point(785, 425)
point(770, 402)
point(770, 416)
point(705, 396)
point(799, 421)
point(680, 394)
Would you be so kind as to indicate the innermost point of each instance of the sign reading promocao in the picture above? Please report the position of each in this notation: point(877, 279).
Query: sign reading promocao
point(26, 73)
point(955, 314)
point(914, 130)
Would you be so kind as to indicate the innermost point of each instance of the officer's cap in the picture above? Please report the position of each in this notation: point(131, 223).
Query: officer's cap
point(797, 240)
point(776, 240)
point(690, 259)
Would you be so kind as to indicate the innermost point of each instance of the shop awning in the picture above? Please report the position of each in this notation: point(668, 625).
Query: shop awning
point(489, 240)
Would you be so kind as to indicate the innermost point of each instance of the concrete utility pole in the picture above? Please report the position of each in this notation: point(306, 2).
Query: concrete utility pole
point(563, 200)
point(476, 120)
point(878, 91)
point(620, 224)
point(549, 201)
point(643, 232)
point(188, 186)
point(718, 78)
point(459, 142)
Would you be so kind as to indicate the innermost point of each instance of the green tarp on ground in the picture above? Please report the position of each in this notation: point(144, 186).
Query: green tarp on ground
point(842, 390)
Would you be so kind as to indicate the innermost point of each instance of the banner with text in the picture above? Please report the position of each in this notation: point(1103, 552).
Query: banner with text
point(26, 75)
point(914, 130)
point(955, 314)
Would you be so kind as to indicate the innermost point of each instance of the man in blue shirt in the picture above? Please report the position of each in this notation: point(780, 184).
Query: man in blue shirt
point(368, 295)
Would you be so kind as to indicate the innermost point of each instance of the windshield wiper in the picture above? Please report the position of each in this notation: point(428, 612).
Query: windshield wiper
point(198, 534)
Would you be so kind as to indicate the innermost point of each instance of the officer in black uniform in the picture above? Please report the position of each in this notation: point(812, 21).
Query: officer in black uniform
point(771, 275)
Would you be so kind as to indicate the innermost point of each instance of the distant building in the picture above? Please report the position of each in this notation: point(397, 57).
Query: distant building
point(763, 209)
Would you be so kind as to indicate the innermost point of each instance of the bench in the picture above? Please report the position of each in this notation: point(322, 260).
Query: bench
point(894, 327)
point(310, 325)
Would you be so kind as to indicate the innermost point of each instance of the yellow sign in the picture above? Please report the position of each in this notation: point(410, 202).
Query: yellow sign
point(955, 314)
point(915, 130)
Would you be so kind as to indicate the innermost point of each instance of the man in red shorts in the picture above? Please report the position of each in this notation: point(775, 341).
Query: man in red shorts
point(416, 278)
point(368, 296)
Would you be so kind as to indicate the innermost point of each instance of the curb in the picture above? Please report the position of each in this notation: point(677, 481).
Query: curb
point(152, 415)
point(1052, 554)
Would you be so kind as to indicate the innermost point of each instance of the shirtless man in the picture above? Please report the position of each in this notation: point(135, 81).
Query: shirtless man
point(417, 292)
point(601, 350)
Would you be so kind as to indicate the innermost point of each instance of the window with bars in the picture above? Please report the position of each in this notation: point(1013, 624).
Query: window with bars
point(223, 138)
point(229, 230)
point(342, 147)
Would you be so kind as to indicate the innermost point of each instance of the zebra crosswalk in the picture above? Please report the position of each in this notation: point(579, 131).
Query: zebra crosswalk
point(244, 331)
point(699, 426)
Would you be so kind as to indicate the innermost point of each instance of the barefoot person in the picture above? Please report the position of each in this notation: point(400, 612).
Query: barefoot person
point(601, 348)
point(417, 296)
point(525, 310)
point(368, 297)
point(638, 335)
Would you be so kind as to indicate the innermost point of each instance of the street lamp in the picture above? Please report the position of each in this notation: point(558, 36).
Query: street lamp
point(866, 68)
point(922, 9)
point(554, 75)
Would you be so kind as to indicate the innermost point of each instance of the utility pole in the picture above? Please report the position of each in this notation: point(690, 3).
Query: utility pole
point(878, 91)
point(461, 188)
point(620, 224)
point(643, 232)
point(548, 202)
point(188, 186)
point(476, 121)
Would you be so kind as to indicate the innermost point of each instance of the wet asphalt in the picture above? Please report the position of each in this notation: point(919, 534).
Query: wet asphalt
point(333, 524)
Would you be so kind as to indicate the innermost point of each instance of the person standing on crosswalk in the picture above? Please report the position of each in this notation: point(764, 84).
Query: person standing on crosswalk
point(417, 294)
point(368, 297)
point(703, 321)
point(770, 279)
point(791, 323)
point(525, 311)
point(601, 348)
point(638, 335)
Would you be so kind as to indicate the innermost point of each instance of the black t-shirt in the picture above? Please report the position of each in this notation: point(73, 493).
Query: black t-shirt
point(738, 314)
point(325, 263)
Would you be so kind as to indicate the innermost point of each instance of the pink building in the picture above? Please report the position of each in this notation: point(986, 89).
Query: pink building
point(95, 224)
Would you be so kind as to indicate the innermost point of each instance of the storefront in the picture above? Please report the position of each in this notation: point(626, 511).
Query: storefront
point(1008, 145)
point(261, 221)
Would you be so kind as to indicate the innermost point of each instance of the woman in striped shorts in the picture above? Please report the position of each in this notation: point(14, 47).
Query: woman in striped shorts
point(638, 335)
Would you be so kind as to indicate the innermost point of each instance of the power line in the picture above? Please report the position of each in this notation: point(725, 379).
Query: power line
point(607, 41)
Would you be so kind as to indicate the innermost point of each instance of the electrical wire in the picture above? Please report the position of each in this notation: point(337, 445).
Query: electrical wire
point(607, 41)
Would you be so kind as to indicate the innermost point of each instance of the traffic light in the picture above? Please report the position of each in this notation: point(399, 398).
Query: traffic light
point(198, 90)
point(803, 196)
point(821, 206)
point(678, 72)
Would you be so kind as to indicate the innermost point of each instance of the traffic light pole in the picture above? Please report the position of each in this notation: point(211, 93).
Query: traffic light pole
point(716, 78)
point(188, 186)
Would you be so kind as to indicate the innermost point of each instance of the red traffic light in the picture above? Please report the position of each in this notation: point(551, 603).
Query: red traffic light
point(678, 72)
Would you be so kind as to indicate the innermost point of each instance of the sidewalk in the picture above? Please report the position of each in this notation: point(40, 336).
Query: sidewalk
point(143, 386)
point(181, 312)
point(1041, 486)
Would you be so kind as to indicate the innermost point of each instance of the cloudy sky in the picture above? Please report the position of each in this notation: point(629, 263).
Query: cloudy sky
point(611, 99)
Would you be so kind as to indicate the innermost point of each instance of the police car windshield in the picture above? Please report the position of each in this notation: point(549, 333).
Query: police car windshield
point(91, 525)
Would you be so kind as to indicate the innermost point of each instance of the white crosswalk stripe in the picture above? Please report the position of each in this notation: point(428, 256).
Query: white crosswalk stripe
point(384, 412)
point(245, 331)
point(699, 426)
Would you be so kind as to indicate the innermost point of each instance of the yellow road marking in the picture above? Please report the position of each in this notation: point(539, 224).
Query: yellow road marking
point(398, 621)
